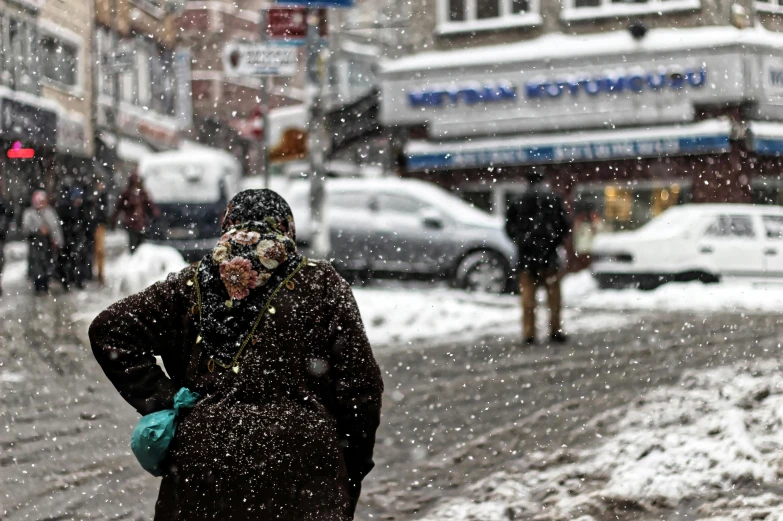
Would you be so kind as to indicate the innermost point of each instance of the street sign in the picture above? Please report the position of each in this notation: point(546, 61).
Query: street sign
point(317, 3)
point(288, 25)
point(257, 59)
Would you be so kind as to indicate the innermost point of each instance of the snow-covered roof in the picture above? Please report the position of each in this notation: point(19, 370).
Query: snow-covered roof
point(557, 45)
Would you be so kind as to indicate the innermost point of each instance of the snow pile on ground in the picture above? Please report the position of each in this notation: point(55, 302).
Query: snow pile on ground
point(717, 433)
point(401, 315)
point(150, 263)
point(693, 296)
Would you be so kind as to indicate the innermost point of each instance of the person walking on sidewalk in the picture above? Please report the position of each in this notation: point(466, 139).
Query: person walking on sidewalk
point(42, 227)
point(6, 217)
point(139, 210)
point(537, 222)
point(275, 346)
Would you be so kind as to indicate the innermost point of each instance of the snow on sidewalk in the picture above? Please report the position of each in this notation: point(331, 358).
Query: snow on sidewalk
point(717, 431)
point(731, 295)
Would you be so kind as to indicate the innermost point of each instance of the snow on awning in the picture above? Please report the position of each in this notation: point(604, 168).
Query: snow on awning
point(132, 151)
point(766, 138)
point(711, 136)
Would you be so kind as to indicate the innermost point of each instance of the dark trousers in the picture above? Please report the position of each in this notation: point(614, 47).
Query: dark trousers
point(2, 260)
point(529, 282)
point(135, 239)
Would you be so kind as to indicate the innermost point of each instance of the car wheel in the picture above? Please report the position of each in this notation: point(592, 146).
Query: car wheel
point(483, 271)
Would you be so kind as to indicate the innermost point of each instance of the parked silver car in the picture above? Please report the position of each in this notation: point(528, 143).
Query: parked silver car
point(393, 227)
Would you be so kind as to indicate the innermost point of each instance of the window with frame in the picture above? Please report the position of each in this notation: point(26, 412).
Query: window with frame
point(576, 9)
point(468, 15)
point(22, 54)
point(773, 225)
point(60, 61)
point(770, 6)
point(731, 227)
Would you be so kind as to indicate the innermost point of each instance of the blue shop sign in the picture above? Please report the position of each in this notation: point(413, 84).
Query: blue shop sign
point(563, 153)
point(469, 94)
point(660, 79)
point(674, 78)
point(316, 3)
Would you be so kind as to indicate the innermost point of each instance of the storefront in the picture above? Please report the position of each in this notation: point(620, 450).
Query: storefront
point(622, 127)
point(26, 122)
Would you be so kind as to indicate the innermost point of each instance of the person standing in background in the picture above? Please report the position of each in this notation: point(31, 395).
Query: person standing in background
point(537, 223)
point(139, 210)
point(75, 220)
point(6, 217)
point(100, 212)
point(42, 227)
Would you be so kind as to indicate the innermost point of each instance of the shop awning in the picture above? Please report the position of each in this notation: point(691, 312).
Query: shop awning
point(766, 138)
point(711, 136)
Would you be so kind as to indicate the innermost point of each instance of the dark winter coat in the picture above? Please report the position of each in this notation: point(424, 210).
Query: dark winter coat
point(538, 224)
point(138, 208)
point(288, 437)
point(6, 218)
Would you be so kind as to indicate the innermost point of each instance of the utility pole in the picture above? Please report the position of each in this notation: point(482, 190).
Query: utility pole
point(115, 89)
point(263, 143)
point(317, 139)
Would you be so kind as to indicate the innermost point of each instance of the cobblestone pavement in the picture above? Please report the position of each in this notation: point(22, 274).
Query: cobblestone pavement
point(452, 413)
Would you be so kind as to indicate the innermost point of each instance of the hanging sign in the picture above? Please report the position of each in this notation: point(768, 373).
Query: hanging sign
point(258, 59)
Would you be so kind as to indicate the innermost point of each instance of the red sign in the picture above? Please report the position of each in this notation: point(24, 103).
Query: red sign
point(290, 24)
point(17, 152)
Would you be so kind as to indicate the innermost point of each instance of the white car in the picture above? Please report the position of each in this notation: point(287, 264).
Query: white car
point(703, 242)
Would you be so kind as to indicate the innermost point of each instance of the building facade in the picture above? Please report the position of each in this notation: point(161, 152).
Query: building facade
point(627, 108)
point(152, 91)
point(45, 95)
point(226, 106)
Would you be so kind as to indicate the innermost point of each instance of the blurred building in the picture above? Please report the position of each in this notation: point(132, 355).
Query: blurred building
point(225, 107)
point(45, 95)
point(153, 94)
point(628, 107)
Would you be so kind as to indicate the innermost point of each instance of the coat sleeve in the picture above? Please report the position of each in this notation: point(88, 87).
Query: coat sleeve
point(126, 337)
point(55, 229)
point(356, 380)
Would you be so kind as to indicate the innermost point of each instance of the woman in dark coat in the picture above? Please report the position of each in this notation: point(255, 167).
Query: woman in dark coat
point(275, 346)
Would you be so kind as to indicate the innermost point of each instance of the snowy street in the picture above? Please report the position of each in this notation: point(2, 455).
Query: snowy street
point(620, 421)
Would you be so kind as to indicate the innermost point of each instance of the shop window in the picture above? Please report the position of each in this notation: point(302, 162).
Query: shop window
point(773, 226)
point(611, 208)
point(587, 9)
point(731, 226)
point(456, 16)
point(60, 61)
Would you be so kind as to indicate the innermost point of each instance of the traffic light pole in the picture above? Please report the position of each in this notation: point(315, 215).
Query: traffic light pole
point(317, 139)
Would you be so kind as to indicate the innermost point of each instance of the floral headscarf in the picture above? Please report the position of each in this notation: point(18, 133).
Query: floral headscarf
point(255, 254)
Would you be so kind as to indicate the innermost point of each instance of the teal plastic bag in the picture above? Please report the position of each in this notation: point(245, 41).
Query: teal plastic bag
point(152, 436)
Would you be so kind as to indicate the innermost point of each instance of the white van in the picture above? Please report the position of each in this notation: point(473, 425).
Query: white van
point(192, 188)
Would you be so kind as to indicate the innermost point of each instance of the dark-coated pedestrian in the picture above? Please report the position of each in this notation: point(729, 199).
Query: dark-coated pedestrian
point(274, 344)
point(41, 226)
point(6, 218)
point(538, 224)
point(75, 219)
point(138, 209)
